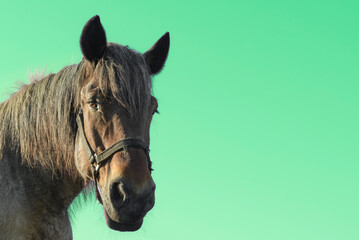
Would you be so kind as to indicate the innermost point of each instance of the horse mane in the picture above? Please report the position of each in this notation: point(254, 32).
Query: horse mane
point(38, 121)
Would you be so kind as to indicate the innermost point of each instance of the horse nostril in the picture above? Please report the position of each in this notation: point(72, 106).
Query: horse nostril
point(118, 193)
point(124, 194)
point(121, 190)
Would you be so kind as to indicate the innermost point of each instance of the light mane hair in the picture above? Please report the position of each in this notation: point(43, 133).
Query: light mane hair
point(38, 121)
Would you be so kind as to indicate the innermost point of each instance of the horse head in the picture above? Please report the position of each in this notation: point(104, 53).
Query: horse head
point(114, 117)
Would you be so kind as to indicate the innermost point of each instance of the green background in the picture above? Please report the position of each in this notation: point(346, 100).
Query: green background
point(257, 136)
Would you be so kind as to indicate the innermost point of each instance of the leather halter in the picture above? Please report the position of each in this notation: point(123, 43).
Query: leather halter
point(101, 158)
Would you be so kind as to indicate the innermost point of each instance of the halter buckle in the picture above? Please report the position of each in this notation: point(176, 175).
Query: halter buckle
point(95, 170)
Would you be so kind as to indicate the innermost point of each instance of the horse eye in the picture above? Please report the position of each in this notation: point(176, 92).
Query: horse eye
point(94, 105)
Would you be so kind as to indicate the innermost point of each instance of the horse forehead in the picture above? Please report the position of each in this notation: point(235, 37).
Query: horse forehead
point(89, 86)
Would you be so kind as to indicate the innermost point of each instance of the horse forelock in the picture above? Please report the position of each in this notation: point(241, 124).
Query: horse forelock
point(122, 75)
point(38, 121)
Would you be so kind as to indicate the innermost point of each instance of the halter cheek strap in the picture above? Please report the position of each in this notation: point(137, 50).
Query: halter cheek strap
point(106, 154)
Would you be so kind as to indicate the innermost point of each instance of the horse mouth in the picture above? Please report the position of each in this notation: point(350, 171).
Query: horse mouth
point(123, 227)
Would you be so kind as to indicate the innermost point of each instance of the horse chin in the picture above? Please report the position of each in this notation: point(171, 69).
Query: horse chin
point(123, 227)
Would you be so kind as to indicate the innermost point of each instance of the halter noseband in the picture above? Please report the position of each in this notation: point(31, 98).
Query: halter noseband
point(106, 154)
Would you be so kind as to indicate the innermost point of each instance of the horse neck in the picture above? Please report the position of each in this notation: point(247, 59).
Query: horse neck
point(44, 145)
point(39, 121)
point(37, 183)
point(34, 202)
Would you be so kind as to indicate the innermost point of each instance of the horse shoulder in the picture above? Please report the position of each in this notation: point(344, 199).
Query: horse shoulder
point(23, 213)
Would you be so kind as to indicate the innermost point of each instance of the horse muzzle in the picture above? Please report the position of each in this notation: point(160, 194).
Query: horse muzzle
point(126, 205)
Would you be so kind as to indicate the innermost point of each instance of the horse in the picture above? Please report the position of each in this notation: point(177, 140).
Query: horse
point(86, 125)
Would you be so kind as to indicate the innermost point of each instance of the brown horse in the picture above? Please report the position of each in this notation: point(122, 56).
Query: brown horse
point(88, 123)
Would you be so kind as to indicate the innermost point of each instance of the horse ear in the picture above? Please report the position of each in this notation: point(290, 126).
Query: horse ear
point(157, 55)
point(93, 40)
